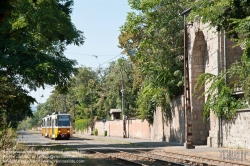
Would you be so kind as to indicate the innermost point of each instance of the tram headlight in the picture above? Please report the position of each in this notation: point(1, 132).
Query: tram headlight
point(68, 131)
point(59, 131)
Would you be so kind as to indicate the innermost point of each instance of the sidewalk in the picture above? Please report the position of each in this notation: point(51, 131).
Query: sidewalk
point(234, 155)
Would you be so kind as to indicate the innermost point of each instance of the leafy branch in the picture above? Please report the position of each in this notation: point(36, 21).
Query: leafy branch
point(221, 98)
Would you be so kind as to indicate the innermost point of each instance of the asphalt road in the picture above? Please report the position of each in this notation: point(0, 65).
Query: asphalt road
point(36, 138)
point(64, 152)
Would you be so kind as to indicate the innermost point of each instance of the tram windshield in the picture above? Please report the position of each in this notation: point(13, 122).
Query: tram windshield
point(63, 120)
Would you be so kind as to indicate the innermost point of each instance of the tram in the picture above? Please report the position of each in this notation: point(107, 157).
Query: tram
point(57, 126)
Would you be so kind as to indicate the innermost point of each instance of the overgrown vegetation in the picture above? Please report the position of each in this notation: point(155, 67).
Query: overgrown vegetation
point(153, 40)
point(15, 154)
point(220, 96)
point(231, 16)
point(96, 132)
point(82, 124)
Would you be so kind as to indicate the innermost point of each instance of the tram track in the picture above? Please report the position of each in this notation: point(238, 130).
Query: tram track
point(120, 160)
point(174, 159)
point(150, 156)
point(189, 159)
point(159, 158)
point(205, 159)
point(133, 159)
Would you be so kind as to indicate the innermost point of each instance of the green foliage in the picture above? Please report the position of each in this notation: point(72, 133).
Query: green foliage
point(42, 110)
point(220, 13)
point(33, 37)
point(229, 15)
point(15, 101)
point(242, 74)
point(220, 96)
point(96, 132)
point(83, 88)
point(152, 37)
point(149, 98)
point(36, 49)
point(233, 17)
point(9, 143)
point(7, 137)
point(82, 124)
point(119, 73)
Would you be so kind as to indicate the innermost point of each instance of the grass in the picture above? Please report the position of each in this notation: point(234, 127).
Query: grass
point(53, 147)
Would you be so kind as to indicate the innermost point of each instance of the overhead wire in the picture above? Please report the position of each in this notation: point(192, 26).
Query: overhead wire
point(88, 54)
point(110, 60)
point(96, 56)
point(96, 59)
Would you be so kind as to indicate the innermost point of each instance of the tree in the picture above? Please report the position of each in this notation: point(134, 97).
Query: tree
point(118, 73)
point(33, 37)
point(152, 37)
point(84, 87)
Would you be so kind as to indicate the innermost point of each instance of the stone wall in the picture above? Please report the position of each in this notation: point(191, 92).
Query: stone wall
point(204, 52)
point(235, 133)
point(170, 127)
point(209, 52)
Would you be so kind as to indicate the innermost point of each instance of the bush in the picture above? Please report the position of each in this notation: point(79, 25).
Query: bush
point(96, 132)
point(81, 124)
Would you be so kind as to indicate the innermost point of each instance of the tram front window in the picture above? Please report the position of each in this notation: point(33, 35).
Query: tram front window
point(63, 121)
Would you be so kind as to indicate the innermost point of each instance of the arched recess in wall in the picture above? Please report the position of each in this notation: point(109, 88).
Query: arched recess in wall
point(199, 61)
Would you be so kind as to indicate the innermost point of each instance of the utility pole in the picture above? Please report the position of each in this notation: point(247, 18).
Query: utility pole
point(75, 111)
point(65, 108)
point(91, 103)
point(187, 112)
point(123, 112)
point(91, 114)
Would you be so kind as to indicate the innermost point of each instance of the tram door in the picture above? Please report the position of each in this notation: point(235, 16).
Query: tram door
point(53, 128)
point(47, 126)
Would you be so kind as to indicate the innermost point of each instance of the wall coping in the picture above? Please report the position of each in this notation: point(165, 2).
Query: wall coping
point(243, 110)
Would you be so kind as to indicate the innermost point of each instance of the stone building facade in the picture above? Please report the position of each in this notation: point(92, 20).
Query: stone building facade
point(209, 51)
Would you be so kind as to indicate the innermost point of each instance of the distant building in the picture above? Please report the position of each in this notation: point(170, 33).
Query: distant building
point(115, 114)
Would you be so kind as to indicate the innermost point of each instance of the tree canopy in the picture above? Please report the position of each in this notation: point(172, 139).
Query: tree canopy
point(33, 38)
point(152, 72)
point(152, 37)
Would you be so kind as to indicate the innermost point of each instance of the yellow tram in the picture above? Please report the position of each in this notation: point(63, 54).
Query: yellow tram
point(57, 126)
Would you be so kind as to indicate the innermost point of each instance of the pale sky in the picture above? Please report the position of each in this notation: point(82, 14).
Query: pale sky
point(100, 20)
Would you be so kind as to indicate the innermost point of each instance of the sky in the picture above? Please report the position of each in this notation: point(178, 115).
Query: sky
point(100, 21)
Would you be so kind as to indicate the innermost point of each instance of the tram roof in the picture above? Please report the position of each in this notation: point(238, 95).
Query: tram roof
point(56, 113)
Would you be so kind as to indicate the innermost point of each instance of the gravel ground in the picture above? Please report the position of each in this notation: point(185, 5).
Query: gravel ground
point(199, 151)
point(116, 142)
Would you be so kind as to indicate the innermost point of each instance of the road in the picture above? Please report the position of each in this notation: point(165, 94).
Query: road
point(82, 144)
point(71, 152)
point(35, 138)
